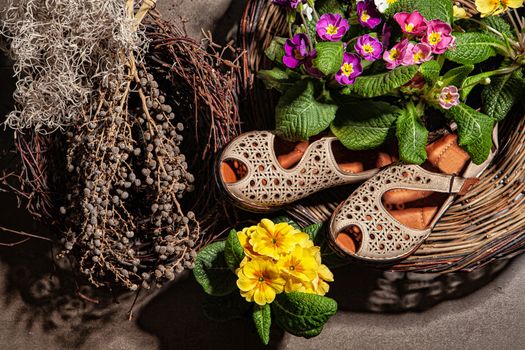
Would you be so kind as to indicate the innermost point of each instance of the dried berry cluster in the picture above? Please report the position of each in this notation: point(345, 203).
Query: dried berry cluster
point(127, 179)
point(109, 172)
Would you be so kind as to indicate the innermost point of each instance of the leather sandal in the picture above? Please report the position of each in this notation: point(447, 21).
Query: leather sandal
point(390, 215)
point(261, 172)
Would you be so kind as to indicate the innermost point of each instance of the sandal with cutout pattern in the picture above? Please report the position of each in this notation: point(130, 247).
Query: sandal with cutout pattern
point(390, 215)
point(261, 172)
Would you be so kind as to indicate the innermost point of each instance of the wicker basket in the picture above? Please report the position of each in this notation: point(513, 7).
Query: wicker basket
point(486, 224)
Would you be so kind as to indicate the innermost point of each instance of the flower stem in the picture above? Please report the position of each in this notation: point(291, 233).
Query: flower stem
point(511, 19)
point(497, 32)
point(310, 43)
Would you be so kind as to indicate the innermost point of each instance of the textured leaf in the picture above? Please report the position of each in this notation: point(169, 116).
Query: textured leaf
point(383, 83)
point(212, 272)
point(275, 78)
point(288, 221)
point(472, 81)
point(233, 251)
point(226, 307)
point(473, 47)
point(330, 6)
point(500, 25)
point(299, 115)
point(314, 231)
point(275, 51)
point(503, 93)
point(329, 56)
point(474, 130)
point(457, 75)
point(262, 317)
point(303, 314)
point(412, 137)
point(430, 9)
point(430, 71)
point(361, 125)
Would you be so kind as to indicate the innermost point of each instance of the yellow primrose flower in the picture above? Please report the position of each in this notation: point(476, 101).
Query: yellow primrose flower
point(296, 285)
point(496, 7)
point(272, 240)
point(459, 12)
point(259, 280)
point(244, 237)
point(300, 264)
point(323, 275)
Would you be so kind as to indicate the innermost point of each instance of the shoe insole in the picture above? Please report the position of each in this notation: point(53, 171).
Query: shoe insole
point(290, 154)
point(417, 208)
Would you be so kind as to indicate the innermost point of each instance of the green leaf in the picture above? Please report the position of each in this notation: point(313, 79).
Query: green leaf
point(457, 75)
point(361, 125)
point(329, 56)
point(381, 84)
point(233, 251)
point(276, 79)
point(502, 94)
point(303, 314)
point(472, 81)
point(474, 130)
point(430, 71)
point(275, 51)
point(299, 115)
point(473, 47)
point(212, 272)
point(430, 9)
point(314, 231)
point(330, 6)
point(262, 317)
point(500, 25)
point(226, 307)
point(412, 137)
point(287, 220)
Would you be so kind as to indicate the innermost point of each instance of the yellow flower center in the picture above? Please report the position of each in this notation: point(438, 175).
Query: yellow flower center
point(418, 56)
point(348, 68)
point(394, 54)
point(331, 29)
point(261, 279)
point(292, 267)
point(368, 48)
point(390, 2)
point(448, 98)
point(409, 27)
point(434, 38)
point(365, 16)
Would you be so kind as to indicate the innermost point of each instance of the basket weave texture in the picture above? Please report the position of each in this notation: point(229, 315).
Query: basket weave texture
point(486, 224)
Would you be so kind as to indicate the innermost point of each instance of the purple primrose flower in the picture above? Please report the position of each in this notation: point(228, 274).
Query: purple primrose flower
point(332, 27)
point(367, 14)
point(395, 56)
point(288, 3)
point(350, 69)
point(368, 47)
point(416, 54)
point(438, 36)
point(296, 51)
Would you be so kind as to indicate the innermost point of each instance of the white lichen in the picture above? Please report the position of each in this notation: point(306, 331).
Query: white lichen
point(63, 50)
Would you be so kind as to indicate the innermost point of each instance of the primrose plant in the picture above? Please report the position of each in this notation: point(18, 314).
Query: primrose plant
point(371, 72)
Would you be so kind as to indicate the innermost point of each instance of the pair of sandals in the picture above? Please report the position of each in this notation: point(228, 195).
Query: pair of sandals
point(384, 220)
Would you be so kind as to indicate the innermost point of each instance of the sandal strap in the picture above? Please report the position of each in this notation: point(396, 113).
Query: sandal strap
point(268, 183)
point(414, 177)
point(385, 238)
